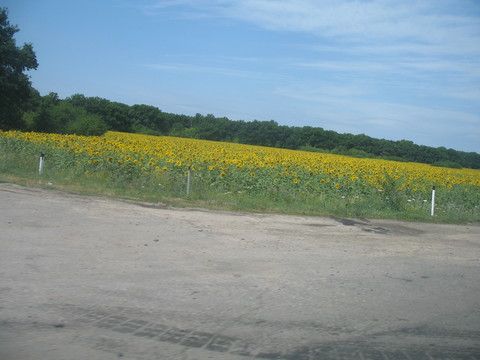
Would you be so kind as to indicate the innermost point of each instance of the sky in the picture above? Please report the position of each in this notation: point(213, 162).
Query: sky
point(388, 69)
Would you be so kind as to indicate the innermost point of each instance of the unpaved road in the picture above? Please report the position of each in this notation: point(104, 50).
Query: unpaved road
point(89, 278)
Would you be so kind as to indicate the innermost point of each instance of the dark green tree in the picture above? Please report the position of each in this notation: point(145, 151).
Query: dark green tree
point(15, 87)
point(59, 116)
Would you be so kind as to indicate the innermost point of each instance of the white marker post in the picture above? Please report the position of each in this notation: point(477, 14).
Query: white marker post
point(189, 181)
point(432, 211)
point(41, 164)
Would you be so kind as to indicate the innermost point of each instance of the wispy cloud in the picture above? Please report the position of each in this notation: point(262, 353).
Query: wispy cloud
point(355, 110)
point(379, 65)
point(410, 66)
point(411, 25)
point(211, 70)
point(415, 26)
point(424, 32)
point(202, 69)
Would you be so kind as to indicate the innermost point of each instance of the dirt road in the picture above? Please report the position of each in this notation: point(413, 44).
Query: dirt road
point(89, 278)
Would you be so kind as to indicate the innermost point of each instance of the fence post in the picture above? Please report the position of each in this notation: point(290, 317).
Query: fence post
point(41, 164)
point(189, 180)
point(432, 211)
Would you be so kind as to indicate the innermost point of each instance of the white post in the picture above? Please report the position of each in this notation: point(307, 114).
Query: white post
point(432, 211)
point(189, 180)
point(41, 164)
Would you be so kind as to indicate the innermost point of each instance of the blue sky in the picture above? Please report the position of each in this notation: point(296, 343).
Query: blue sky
point(389, 69)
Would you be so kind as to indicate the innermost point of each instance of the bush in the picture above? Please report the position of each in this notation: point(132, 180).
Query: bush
point(86, 124)
point(448, 164)
point(394, 198)
point(60, 117)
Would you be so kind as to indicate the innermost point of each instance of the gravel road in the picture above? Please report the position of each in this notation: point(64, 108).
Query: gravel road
point(90, 278)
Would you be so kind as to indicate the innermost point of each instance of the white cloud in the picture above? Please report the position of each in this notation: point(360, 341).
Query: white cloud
point(434, 25)
point(407, 66)
point(429, 35)
point(351, 111)
point(212, 70)
point(424, 54)
point(427, 23)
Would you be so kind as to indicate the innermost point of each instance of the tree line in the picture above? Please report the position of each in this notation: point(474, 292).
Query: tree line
point(51, 113)
point(23, 108)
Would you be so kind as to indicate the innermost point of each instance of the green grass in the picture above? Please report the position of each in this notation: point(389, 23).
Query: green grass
point(74, 173)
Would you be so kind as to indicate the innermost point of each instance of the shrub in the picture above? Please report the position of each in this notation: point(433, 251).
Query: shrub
point(86, 124)
point(448, 164)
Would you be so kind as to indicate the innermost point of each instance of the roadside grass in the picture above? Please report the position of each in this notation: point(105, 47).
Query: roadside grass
point(68, 171)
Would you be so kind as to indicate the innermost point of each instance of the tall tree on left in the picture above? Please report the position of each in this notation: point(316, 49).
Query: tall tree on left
point(15, 86)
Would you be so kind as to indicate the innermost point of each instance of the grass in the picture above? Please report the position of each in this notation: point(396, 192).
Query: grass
point(71, 172)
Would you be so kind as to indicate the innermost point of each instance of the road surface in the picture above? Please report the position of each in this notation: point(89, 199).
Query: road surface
point(91, 278)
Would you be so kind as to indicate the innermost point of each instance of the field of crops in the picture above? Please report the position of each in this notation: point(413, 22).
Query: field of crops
point(157, 162)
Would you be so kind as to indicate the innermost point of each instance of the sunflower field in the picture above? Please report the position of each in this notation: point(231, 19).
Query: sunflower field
point(245, 176)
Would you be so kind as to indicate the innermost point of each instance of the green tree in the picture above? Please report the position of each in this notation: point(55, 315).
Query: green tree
point(41, 119)
point(114, 114)
point(15, 86)
point(59, 116)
